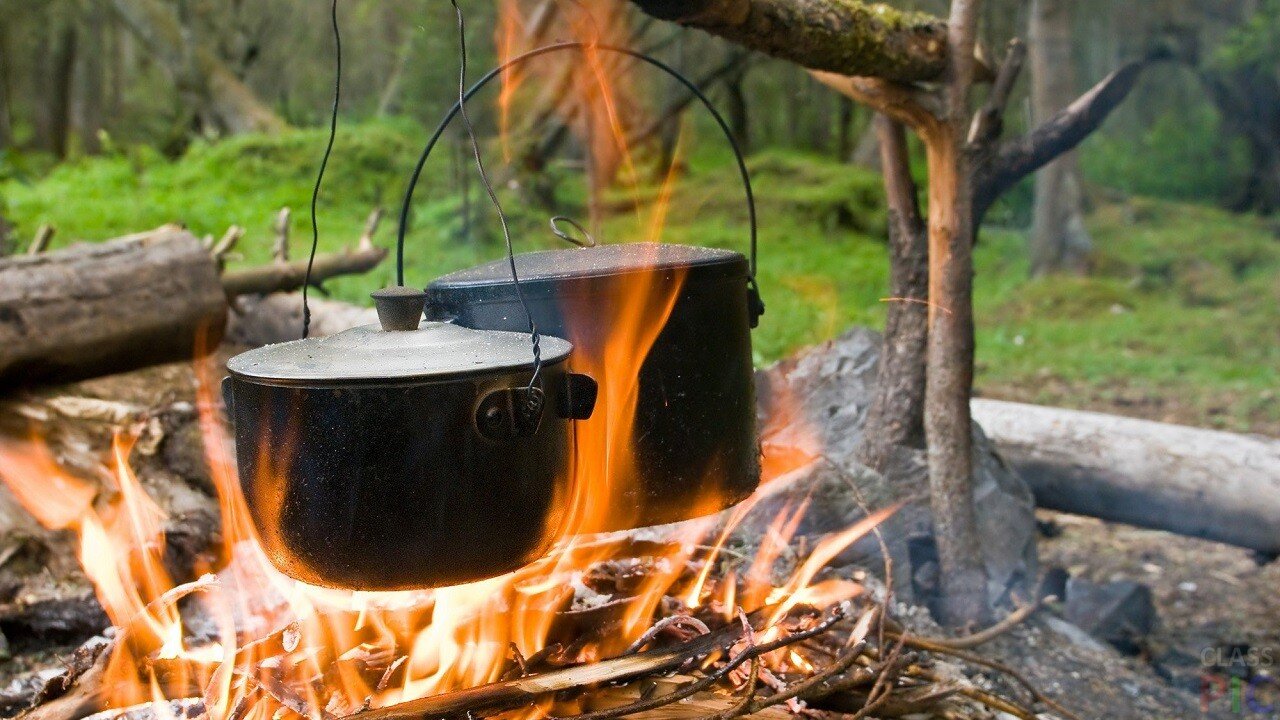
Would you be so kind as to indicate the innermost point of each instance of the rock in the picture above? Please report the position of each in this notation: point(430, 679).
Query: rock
point(812, 409)
point(1121, 613)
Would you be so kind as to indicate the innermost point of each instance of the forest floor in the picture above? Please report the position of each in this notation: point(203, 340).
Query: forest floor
point(1178, 321)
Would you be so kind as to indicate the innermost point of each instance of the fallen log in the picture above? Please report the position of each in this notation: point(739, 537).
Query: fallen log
point(1203, 483)
point(95, 309)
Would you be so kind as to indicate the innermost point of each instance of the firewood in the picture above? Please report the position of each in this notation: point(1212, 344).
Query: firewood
point(146, 299)
point(96, 309)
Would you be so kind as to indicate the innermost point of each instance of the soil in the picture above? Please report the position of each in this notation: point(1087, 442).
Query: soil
point(1218, 608)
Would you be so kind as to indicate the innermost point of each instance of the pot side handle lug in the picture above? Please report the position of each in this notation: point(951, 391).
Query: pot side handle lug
point(578, 397)
point(511, 413)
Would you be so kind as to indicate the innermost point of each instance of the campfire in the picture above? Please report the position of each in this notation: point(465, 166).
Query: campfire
point(684, 619)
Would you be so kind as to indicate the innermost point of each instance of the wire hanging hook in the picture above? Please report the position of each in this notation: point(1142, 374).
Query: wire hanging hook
point(324, 164)
point(493, 197)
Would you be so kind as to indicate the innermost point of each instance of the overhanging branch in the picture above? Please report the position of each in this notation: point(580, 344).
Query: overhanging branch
point(1019, 157)
point(848, 37)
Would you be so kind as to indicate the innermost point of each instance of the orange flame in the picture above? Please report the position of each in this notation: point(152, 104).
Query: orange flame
point(284, 649)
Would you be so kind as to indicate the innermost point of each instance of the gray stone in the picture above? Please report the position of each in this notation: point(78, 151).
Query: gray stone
point(813, 408)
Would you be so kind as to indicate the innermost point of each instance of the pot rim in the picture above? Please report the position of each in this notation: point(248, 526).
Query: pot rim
point(368, 357)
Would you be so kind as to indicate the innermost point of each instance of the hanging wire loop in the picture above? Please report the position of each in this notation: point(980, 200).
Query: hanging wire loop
point(688, 84)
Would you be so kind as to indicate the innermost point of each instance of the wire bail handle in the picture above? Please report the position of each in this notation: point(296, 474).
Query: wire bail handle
point(756, 303)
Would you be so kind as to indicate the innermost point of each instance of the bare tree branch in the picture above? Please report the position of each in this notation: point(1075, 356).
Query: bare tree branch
point(841, 36)
point(1019, 157)
point(896, 416)
point(988, 123)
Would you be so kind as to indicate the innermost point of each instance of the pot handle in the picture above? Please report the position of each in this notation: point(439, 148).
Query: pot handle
point(516, 412)
point(578, 397)
point(756, 304)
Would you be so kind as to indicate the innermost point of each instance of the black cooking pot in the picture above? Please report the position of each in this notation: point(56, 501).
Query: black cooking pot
point(405, 456)
point(694, 440)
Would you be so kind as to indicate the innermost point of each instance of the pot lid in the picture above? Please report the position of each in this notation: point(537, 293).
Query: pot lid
point(551, 266)
point(434, 352)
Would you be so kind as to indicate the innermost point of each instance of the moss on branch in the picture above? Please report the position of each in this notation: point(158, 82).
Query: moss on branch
point(849, 37)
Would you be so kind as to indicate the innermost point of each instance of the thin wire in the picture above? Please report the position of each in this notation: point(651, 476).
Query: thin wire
point(479, 85)
point(324, 164)
point(493, 195)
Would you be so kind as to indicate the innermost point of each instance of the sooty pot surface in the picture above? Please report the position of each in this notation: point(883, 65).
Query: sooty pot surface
point(378, 460)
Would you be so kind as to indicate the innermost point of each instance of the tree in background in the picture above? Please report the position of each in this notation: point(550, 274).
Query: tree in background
point(1059, 241)
point(921, 72)
point(1243, 78)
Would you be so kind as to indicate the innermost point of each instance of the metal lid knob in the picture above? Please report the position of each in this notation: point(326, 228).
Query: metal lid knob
point(399, 308)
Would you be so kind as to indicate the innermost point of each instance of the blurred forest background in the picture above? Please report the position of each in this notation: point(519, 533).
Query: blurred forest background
point(1140, 275)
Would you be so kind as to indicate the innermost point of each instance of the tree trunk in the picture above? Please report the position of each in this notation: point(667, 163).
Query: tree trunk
point(736, 109)
point(93, 309)
point(389, 101)
point(896, 416)
point(844, 129)
point(220, 100)
point(6, 111)
point(949, 370)
point(58, 112)
point(949, 378)
point(91, 81)
point(1059, 241)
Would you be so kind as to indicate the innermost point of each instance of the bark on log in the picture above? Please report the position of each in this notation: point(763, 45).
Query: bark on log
point(95, 309)
point(1203, 483)
point(841, 36)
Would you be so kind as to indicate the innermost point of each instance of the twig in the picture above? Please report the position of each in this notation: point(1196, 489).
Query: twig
point(693, 688)
point(525, 691)
point(918, 643)
point(44, 236)
point(983, 637)
point(228, 243)
point(370, 228)
point(280, 251)
point(988, 122)
point(996, 703)
point(663, 624)
point(742, 706)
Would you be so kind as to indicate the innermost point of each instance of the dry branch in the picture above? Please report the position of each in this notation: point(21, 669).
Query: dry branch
point(229, 240)
point(40, 243)
point(284, 277)
point(1019, 157)
point(280, 250)
point(525, 691)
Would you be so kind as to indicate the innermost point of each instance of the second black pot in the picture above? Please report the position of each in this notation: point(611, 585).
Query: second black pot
point(694, 440)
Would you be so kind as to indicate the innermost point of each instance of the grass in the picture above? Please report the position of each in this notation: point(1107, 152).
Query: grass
point(1179, 320)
